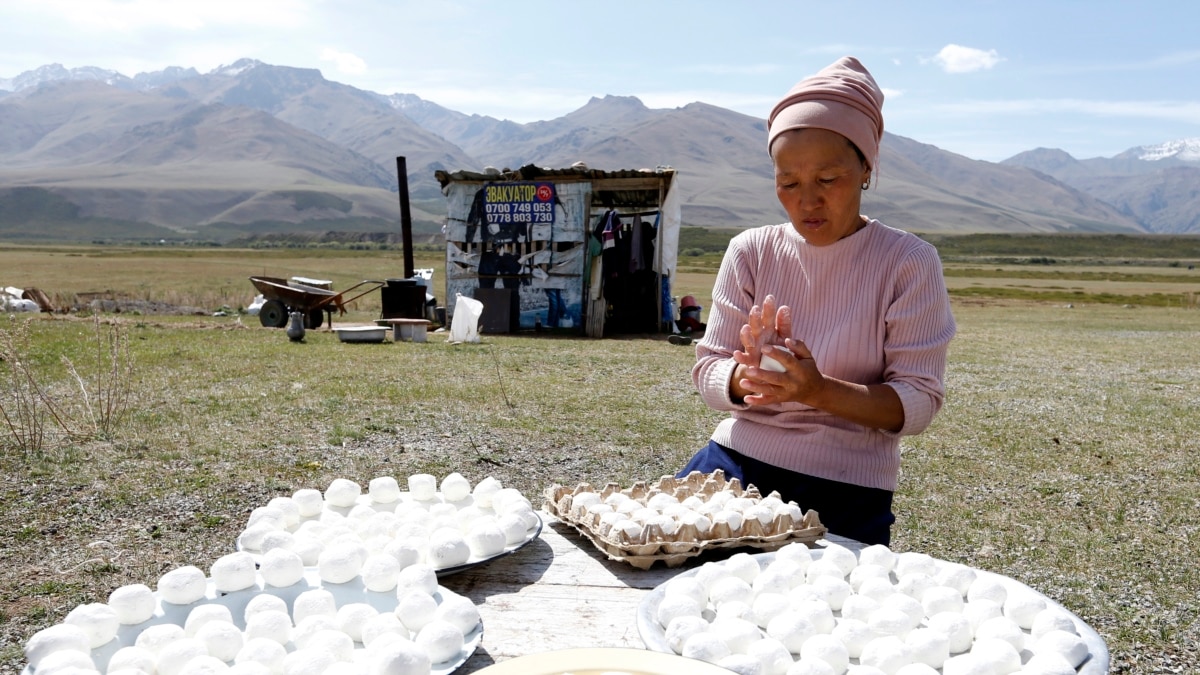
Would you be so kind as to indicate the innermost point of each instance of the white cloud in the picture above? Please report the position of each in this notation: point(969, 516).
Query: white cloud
point(344, 62)
point(958, 59)
point(1177, 111)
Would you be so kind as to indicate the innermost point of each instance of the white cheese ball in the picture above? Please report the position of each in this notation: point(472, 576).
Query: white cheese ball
point(818, 613)
point(987, 588)
point(380, 572)
point(309, 502)
point(681, 628)
point(738, 634)
point(917, 669)
point(859, 607)
point(1001, 656)
point(779, 576)
point(1023, 607)
point(774, 657)
point(155, 637)
point(422, 486)
point(929, 646)
point(342, 492)
point(823, 567)
point(135, 658)
point(487, 488)
point(205, 614)
point(941, 599)
point(676, 605)
point(841, 556)
point(381, 624)
point(290, 510)
point(978, 611)
point(400, 658)
point(728, 589)
point(956, 576)
point(876, 589)
point(441, 640)
point(855, 634)
point(174, 656)
point(878, 554)
point(98, 621)
point(486, 539)
point(204, 665)
point(234, 572)
point(340, 562)
point(308, 548)
point(133, 604)
point(688, 586)
point(767, 606)
point(911, 562)
point(182, 585)
point(1068, 645)
point(458, 611)
point(415, 608)
point(866, 571)
point(832, 590)
point(888, 653)
point(59, 637)
point(304, 631)
point(455, 487)
point(264, 651)
point(956, 627)
point(744, 566)
point(448, 548)
point(514, 528)
point(351, 618)
point(706, 646)
point(827, 648)
point(889, 621)
point(281, 567)
point(383, 490)
point(908, 605)
point(1050, 619)
point(1001, 628)
point(791, 629)
point(316, 602)
point(269, 624)
point(420, 576)
point(795, 552)
point(223, 640)
point(915, 585)
point(331, 640)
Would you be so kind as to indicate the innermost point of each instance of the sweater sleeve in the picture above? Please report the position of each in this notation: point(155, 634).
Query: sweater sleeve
point(919, 325)
point(732, 298)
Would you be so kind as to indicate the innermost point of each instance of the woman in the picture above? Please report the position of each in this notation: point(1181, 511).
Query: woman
point(827, 336)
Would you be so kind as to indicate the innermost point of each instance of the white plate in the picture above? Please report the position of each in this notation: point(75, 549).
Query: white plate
point(654, 636)
point(474, 561)
point(343, 594)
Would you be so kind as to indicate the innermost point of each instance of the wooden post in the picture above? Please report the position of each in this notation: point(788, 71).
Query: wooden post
point(405, 217)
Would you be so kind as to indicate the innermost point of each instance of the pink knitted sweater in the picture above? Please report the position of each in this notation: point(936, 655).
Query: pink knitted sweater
point(871, 307)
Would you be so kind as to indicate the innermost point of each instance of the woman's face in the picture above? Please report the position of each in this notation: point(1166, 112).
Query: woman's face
point(819, 178)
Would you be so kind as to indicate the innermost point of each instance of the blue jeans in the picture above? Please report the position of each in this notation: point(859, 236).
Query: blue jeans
point(853, 511)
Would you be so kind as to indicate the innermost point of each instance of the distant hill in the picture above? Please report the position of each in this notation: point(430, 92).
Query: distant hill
point(1156, 185)
point(251, 148)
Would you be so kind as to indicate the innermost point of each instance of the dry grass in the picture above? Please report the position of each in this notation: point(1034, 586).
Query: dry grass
point(1066, 455)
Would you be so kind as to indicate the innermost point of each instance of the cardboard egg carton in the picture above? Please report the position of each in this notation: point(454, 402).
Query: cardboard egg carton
point(673, 543)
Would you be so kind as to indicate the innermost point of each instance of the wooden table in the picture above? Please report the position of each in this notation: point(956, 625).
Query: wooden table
point(560, 592)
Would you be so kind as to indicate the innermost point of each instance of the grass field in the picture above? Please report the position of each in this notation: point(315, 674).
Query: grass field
point(1065, 456)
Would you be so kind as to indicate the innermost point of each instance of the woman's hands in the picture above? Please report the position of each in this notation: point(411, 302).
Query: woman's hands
point(769, 333)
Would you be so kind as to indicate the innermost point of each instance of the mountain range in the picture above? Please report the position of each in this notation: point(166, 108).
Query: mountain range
point(253, 148)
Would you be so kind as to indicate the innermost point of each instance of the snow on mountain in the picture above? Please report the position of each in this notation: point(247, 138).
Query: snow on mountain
point(1186, 149)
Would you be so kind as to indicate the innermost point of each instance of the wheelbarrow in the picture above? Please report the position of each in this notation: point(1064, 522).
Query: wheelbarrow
point(283, 297)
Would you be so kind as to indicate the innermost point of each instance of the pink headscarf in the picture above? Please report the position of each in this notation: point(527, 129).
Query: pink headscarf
point(842, 97)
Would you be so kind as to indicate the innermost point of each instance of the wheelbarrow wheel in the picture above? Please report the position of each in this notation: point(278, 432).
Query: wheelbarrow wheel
point(314, 319)
point(273, 314)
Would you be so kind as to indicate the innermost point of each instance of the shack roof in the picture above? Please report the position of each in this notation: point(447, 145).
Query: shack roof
point(636, 188)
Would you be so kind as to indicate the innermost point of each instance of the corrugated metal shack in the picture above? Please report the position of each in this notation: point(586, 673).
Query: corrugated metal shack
point(567, 249)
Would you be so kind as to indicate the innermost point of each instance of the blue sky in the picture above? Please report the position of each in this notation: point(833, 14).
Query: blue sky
point(983, 79)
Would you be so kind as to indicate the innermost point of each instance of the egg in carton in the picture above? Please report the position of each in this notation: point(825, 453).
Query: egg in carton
point(675, 515)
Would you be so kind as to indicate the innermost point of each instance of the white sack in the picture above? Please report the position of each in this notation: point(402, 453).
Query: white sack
point(464, 327)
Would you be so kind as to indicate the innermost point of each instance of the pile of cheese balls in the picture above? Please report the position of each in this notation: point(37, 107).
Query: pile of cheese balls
point(829, 611)
point(346, 532)
point(315, 567)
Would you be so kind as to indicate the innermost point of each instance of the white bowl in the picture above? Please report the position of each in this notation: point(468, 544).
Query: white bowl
point(362, 333)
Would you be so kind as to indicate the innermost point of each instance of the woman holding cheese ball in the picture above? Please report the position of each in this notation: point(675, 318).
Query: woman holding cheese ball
point(828, 334)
